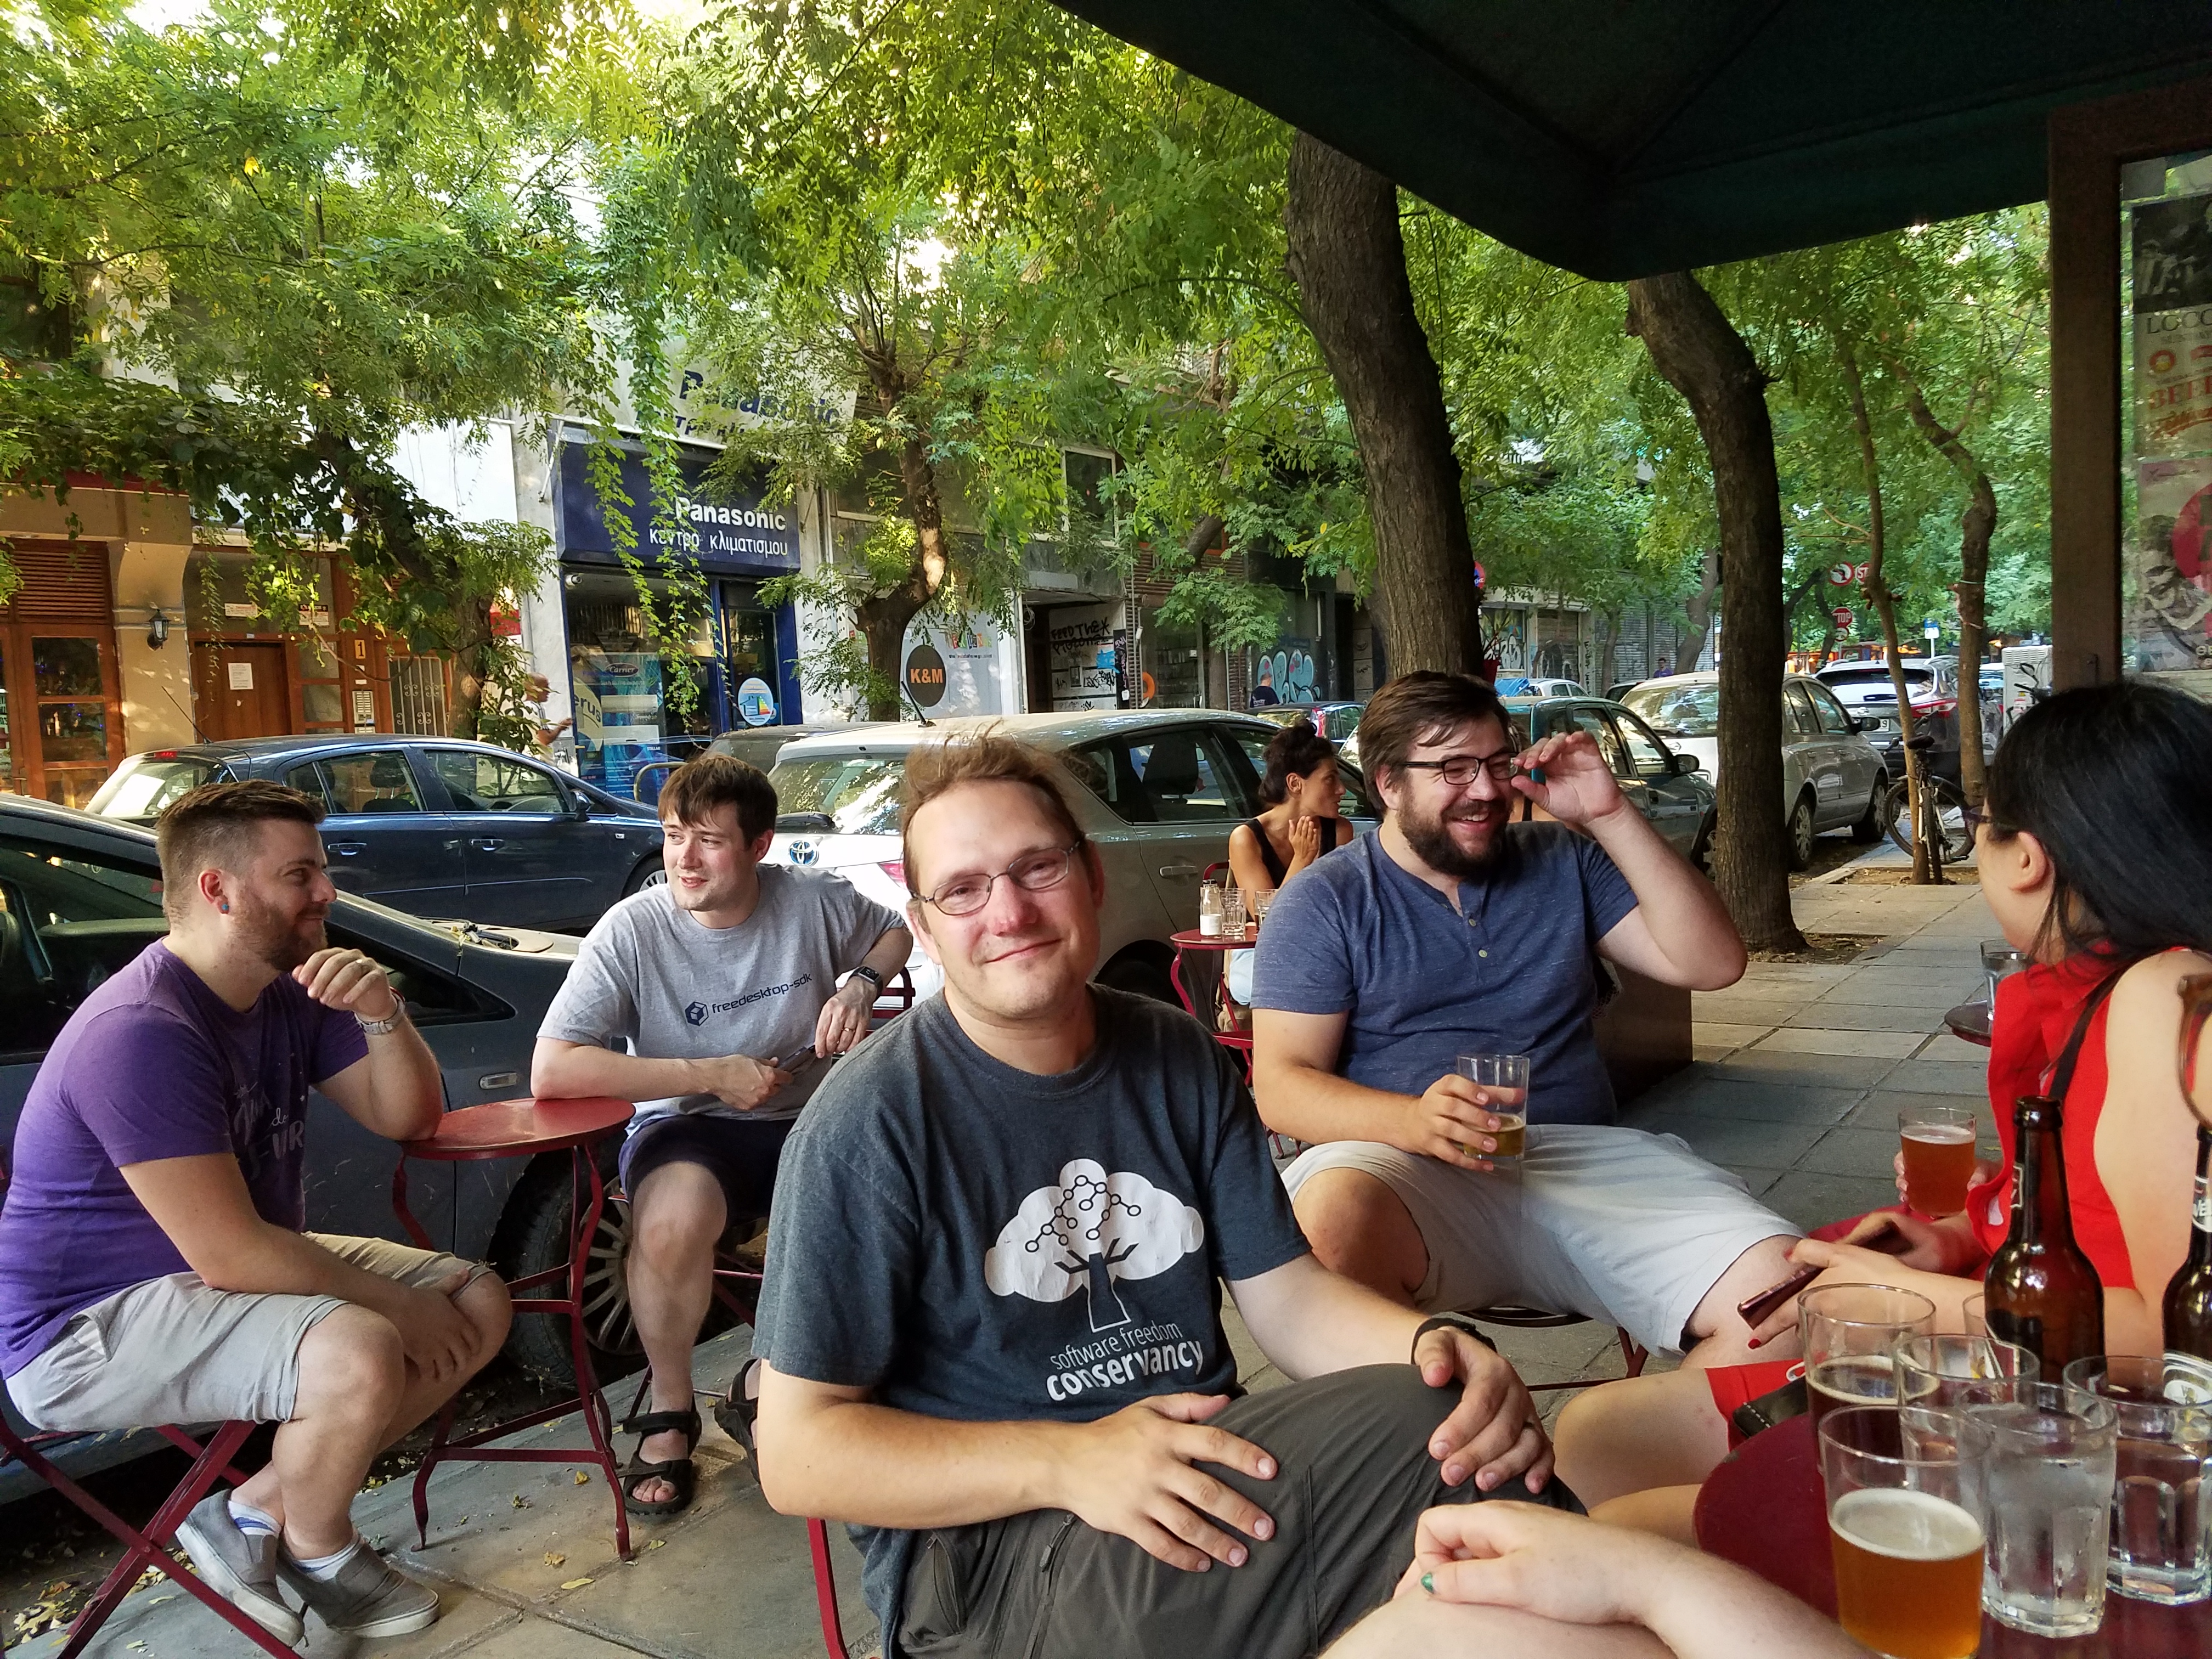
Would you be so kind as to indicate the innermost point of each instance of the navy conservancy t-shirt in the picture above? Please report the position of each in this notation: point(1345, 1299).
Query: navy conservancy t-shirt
point(969, 1241)
point(1512, 970)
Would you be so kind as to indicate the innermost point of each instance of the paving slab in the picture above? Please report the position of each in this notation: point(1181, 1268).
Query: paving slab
point(1848, 1044)
point(1868, 1151)
point(1812, 1199)
point(1797, 1069)
point(1827, 1016)
point(1765, 1102)
point(1733, 1140)
point(1937, 1077)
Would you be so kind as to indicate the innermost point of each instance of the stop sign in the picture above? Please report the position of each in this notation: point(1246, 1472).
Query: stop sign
point(1842, 615)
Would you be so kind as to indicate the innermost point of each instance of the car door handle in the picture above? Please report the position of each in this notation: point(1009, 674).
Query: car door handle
point(346, 849)
point(1178, 870)
point(486, 843)
point(499, 1080)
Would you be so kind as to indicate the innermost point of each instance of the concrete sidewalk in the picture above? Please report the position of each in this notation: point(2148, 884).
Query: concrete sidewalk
point(1800, 1071)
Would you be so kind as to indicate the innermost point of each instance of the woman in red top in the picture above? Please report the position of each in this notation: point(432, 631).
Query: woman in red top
point(2095, 856)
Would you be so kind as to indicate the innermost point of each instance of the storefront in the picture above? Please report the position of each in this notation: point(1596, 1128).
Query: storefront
point(635, 700)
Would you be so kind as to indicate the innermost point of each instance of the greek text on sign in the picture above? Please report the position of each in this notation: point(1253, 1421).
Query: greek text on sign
point(241, 675)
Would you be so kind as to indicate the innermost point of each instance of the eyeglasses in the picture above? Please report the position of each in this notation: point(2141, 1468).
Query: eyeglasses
point(1973, 817)
point(1459, 771)
point(1033, 872)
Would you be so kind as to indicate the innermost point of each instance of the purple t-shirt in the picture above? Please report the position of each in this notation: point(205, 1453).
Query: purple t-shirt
point(152, 1065)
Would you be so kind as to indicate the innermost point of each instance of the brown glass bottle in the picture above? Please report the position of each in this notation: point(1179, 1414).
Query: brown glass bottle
point(2040, 1290)
point(2188, 1308)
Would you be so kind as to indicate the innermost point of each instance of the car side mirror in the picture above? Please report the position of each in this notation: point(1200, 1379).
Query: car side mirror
point(1855, 723)
point(1686, 764)
point(580, 806)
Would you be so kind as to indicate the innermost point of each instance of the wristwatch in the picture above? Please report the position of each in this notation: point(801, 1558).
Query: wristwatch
point(385, 1027)
point(870, 974)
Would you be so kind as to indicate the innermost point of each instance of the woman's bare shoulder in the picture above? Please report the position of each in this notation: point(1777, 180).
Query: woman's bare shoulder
point(2146, 1001)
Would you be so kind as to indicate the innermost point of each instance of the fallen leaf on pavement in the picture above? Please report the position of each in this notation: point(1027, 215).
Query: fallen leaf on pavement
point(553, 1558)
point(582, 1479)
point(575, 1583)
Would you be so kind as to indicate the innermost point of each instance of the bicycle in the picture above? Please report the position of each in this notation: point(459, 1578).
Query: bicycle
point(1949, 808)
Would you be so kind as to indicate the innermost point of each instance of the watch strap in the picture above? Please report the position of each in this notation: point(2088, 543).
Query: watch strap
point(383, 1027)
point(870, 974)
point(1456, 1321)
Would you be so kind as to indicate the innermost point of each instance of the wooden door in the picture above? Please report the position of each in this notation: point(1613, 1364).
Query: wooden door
point(240, 690)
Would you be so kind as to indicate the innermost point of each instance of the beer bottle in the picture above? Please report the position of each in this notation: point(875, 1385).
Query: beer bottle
point(2188, 1294)
point(2040, 1290)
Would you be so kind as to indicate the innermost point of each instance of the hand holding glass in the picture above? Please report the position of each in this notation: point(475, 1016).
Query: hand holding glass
point(1504, 1079)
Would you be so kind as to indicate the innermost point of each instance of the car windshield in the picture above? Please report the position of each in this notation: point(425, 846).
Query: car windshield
point(1872, 672)
point(1680, 711)
point(858, 794)
point(149, 783)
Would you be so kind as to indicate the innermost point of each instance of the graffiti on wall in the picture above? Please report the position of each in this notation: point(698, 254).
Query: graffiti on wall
point(1506, 633)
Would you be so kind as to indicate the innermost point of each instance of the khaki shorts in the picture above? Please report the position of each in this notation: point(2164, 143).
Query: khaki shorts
point(173, 1351)
point(1615, 1224)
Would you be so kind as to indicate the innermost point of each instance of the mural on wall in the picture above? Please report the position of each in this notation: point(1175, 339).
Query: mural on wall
point(2168, 622)
point(1084, 657)
point(1286, 676)
point(1506, 633)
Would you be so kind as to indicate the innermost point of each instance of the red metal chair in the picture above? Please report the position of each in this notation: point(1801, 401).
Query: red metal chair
point(1515, 1317)
point(150, 1548)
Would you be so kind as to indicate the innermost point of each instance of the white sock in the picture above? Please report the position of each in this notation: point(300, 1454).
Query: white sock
point(250, 1521)
point(325, 1567)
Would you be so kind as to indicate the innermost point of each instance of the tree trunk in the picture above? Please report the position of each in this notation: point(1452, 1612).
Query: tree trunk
point(1976, 524)
point(1349, 262)
point(1699, 611)
point(1918, 799)
point(1703, 357)
point(883, 618)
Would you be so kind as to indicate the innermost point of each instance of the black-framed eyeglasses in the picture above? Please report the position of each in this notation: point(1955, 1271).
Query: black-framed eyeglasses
point(1459, 771)
point(1973, 817)
point(1033, 872)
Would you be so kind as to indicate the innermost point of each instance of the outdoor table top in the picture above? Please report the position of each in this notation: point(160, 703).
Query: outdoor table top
point(508, 1128)
point(1191, 939)
point(1763, 1509)
point(1970, 1020)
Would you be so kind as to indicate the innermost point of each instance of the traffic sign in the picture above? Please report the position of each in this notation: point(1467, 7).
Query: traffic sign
point(1842, 615)
point(1481, 576)
point(1839, 575)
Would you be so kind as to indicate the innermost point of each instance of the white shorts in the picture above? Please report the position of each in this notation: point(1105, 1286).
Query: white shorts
point(1616, 1224)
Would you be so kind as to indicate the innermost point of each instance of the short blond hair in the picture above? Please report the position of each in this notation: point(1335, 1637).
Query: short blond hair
point(936, 768)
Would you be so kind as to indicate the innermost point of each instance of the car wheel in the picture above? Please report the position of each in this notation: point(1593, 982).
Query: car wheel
point(1873, 824)
point(1801, 833)
point(1140, 977)
point(1701, 849)
point(652, 873)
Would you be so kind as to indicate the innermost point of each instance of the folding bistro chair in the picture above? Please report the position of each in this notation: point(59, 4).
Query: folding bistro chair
point(150, 1548)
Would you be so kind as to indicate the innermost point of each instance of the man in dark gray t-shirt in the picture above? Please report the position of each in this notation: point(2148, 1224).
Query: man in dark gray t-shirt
point(991, 1332)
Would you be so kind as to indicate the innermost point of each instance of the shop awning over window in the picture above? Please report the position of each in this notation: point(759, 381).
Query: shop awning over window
point(1622, 137)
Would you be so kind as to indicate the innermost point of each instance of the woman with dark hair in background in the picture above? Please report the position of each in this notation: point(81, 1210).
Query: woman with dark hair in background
point(2094, 854)
point(1300, 823)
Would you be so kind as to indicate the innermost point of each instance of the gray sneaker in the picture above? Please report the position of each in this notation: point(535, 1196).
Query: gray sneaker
point(241, 1565)
point(368, 1597)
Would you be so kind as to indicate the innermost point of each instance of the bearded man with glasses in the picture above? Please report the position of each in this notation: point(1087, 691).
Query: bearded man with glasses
point(1453, 930)
point(991, 1326)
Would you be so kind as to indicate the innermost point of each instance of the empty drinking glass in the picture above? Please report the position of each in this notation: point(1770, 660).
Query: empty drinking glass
point(2161, 1549)
point(2041, 1465)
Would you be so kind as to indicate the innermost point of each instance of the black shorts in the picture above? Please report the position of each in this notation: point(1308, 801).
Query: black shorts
point(740, 1153)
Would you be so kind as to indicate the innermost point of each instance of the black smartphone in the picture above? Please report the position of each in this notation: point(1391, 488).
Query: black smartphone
point(799, 1061)
point(1758, 1309)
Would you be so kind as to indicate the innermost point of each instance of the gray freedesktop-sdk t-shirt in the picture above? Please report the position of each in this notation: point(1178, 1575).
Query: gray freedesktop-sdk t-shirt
point(1511, 971)
point(676, 989)
point(970, 1241)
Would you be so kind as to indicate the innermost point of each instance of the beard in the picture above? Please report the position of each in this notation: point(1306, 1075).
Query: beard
point(1431, 837)
point(282, 939)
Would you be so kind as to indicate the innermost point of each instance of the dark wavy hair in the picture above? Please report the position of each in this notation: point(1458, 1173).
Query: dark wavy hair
point(2115, 781)
point(1295, 751)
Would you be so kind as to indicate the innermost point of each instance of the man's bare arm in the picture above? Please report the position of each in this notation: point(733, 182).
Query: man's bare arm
point(830, 1451)
point(396, 1091)
point(201, 1204)
point(1295, 1087)
point(1680, 933)
point(566, 1070)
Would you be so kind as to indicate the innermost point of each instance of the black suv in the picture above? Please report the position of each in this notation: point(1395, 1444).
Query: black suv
point(435, 826)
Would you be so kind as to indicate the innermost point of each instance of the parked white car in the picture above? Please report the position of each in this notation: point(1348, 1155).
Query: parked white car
point(1156, 790)
point(1832, 777)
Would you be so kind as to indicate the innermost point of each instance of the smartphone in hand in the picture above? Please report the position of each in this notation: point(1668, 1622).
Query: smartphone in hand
point(1889, 1240)
point(799, 1061)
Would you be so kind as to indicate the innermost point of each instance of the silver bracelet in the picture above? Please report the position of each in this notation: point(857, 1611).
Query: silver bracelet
point(384, 1027)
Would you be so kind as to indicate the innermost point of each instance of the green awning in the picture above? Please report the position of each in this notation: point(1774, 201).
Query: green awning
point(1622, 137)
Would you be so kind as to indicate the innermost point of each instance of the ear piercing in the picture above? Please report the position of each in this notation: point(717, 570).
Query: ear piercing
point(223, 905)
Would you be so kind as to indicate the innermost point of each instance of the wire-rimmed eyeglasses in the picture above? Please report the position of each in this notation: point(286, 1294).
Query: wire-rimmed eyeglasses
point(1033, 872)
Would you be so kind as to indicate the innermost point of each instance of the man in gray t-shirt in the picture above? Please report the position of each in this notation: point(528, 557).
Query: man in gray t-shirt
point(707, 1002)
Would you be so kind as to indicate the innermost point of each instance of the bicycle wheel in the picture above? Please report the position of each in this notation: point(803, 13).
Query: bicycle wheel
point(1949, 807)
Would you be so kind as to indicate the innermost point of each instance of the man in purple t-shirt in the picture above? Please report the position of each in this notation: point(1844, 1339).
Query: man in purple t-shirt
point(153, 1264)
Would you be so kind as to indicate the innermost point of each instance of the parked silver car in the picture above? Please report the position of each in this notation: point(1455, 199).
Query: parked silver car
point(1157, 790)
point(1832, 777)
point(1669, 788)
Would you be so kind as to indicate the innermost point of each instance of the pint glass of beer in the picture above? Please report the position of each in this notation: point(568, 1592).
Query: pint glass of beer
point(1908, 1553)
point(1939, 1158)
point(1849, 1331)
point(1505, 1078)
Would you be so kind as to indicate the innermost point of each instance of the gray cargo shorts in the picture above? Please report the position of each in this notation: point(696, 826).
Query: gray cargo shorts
point(173, 1350)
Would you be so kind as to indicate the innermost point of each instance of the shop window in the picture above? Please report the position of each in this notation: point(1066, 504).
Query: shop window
point(1174, 664)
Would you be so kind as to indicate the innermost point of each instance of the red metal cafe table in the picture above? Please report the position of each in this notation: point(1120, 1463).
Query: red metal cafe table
point(1969, 1021)
point(1763, 1509)
point(523, 1129)
point(1199, 974)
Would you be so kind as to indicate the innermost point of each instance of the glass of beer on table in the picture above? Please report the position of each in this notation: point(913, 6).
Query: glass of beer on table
point(1907, 1551)
point(1849, 1331)
point(1505, 1078)
point(1939, 1156)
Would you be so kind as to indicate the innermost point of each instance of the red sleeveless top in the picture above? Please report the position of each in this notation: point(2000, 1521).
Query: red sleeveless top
point(2034, 1015)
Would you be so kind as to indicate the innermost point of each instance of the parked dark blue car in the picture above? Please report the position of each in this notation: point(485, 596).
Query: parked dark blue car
point(435, 826)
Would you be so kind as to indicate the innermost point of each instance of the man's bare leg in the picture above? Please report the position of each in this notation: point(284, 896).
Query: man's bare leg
point(1645, 1433)
point(1359, 1228)
point(485, 1304)
point(1724, 1337)
point(1668, 1511)
point(676, 1218)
